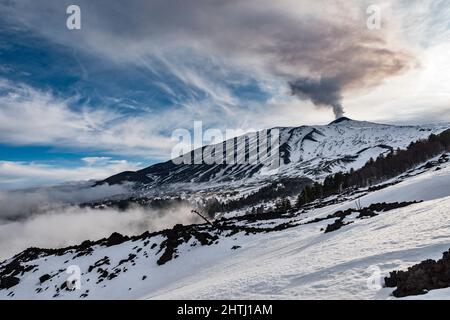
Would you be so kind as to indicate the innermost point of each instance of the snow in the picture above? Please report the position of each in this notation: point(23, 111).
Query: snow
point(297, 263)
point(314, 152)
point(304, 263)
point(422, 187)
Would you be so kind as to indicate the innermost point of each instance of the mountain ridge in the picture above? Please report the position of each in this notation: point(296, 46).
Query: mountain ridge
point(305, 151)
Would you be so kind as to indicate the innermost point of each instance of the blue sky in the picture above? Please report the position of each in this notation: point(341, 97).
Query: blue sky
point(84, 104)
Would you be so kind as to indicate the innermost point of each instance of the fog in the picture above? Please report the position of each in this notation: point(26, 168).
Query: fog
point(20, 204)
point(44, 218)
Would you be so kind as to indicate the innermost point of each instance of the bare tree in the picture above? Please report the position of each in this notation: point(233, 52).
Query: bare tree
point(358, 204)
point(203, 217)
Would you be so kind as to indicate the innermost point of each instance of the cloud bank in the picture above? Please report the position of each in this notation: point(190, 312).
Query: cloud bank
point(51, 218)
point(19, 174)
point(72, 225)
point(21, 204)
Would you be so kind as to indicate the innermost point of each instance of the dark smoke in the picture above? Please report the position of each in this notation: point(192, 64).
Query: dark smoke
point(323, 92)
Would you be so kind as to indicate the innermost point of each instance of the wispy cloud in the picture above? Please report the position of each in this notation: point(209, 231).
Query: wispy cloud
point(29, 116)
point(21, 174)
point(208, 46)
point(206, 43)
point(203, 55)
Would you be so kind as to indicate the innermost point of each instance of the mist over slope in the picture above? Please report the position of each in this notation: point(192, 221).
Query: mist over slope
point(54, 217)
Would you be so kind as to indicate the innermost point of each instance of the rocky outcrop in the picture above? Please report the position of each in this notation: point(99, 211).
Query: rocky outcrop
point(421, 278)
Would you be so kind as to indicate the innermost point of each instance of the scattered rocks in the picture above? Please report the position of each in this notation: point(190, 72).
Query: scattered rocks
point(83, 252)
point(383, 207)
point(178, 235)
point(364, 213)
point(114, 274)
point(99, 263)
point(204, 235)
point(131, 258)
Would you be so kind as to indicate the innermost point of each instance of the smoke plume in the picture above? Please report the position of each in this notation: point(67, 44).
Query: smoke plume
point(323, 92)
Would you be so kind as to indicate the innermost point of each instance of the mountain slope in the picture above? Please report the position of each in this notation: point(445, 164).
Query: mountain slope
point(306, 151)
point(256, 256)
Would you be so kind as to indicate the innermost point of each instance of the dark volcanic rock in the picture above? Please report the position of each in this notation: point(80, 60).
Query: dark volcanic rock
point(339, 223)
point(368, 212)
point(131, 257)
point(99, 263)
point(421, 278)
point(339, 120)
point(178, 235)
point(8, 282)
point(115, 239)
point(44, 278)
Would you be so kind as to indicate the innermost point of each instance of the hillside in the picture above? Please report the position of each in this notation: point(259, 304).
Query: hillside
point(306, 151)
point(294, 255)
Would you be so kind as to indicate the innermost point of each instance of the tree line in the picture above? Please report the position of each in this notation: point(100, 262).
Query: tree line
point(282, 188)
point(375, 171)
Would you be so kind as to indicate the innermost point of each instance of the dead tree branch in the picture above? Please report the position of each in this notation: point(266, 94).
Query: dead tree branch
point(203, 217)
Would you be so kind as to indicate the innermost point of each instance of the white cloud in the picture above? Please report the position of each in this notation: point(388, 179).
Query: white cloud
point(21, 174)
point(72, 225)
point(51, 217)
point(219, 45)
point(29, 116)
point(95, 160)
point(209, 45)
point(33, 117)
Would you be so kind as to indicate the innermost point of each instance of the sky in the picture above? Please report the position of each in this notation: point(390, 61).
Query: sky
point(89, 103)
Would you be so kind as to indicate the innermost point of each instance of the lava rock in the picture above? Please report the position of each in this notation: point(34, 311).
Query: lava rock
point(339, 223)
point(115, 239)
point(421, 278)
point(44, 278)
point(9, 282)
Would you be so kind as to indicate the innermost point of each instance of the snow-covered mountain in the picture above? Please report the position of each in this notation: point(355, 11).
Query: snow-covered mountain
point(305, 151)
point(336, 246)
point(341, 251)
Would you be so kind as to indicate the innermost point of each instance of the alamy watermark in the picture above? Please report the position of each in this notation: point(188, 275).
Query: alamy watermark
point(212, 146)
point(73, 282)
point(73, 21)
point(374, 19)
point(374, 281)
